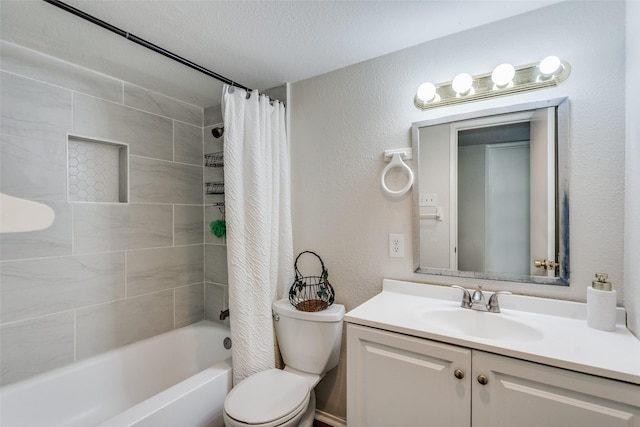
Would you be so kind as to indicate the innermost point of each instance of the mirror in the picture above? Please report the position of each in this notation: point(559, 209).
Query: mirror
point(491, 194)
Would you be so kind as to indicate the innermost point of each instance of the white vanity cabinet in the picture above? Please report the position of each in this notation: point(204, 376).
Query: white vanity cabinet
point(526, 394)
point(400, 380)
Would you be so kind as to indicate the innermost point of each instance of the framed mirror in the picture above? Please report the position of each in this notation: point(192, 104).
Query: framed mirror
point(491, 197)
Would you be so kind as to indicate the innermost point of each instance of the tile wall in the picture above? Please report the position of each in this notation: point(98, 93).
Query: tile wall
point(103, 275)
point(216, 278)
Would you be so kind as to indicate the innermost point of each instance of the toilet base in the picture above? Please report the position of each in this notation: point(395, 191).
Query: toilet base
point(310, 413)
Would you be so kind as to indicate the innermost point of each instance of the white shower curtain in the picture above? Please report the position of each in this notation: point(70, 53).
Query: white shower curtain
point(258, 215)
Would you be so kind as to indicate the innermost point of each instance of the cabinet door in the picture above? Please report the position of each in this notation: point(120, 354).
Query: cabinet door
point(523, 394)
point(397, 380)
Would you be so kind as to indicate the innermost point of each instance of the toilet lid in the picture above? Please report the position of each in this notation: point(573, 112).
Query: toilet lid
point(266, 396)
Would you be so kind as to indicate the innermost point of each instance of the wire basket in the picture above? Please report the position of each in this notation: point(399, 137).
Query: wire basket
point(214, 160)
point(311, 293)
point(215, 187)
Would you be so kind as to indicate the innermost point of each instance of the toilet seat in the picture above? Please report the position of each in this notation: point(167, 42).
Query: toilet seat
point(268, 398)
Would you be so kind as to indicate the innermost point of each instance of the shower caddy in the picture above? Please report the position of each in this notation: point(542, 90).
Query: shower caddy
point(214, 160)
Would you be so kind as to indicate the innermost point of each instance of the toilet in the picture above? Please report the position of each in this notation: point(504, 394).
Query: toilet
point(310, 346)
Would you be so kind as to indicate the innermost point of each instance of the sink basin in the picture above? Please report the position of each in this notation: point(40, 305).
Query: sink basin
point(494, 326)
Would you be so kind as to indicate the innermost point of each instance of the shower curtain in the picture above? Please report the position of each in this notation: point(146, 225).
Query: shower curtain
point(258, 215)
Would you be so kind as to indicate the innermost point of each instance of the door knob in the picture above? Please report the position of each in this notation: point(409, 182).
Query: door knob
point(547, 265)
point(482, 379)
point(458, 373)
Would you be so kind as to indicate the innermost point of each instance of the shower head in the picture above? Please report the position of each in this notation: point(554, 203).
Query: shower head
point(217, 132)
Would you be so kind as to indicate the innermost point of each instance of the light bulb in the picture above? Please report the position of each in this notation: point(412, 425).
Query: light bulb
point(549, 65)
point(462, 83)
point(426, 92)
point(503, 74)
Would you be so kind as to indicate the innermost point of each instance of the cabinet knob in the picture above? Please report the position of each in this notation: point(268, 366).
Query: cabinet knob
point(482, 379)
point(458, 373)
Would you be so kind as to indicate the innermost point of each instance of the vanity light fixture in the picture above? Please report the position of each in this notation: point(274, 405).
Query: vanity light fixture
point(504, 80)
point(462, 84)
point(427, 92)
point(503, 75)
point(548, 66)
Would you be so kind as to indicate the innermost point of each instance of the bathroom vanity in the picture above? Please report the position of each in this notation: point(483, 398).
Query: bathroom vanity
point(416, 358)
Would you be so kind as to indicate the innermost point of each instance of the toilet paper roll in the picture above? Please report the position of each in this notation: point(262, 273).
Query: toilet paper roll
point(601, 309)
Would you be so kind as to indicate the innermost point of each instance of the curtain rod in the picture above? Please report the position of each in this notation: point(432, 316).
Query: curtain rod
point(143, 42)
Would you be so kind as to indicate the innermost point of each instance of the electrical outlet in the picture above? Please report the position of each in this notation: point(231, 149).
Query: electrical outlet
point(396, 245)
point(429, 199)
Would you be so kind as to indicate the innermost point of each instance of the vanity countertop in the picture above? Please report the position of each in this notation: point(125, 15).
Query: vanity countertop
point(561, 336)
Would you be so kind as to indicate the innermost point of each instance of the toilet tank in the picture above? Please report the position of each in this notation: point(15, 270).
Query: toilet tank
point(309, 341)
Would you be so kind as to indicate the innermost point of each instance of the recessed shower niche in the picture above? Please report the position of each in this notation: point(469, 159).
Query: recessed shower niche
point(97, 171)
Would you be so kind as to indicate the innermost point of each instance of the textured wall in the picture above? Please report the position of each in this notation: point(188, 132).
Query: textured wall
point(103, 275)
point(632, 207)
point(341, 123)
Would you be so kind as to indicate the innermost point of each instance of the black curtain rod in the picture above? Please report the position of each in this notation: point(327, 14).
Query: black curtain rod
point(143, 42)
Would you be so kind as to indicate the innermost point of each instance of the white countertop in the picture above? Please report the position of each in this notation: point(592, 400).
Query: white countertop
point(566, 342)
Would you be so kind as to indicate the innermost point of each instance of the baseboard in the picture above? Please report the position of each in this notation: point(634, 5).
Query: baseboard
point(329, 419)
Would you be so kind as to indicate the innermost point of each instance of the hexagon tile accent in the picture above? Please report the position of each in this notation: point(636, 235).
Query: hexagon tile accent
point(94, 171)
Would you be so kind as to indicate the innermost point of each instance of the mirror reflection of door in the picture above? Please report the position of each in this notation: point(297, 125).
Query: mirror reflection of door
point(494, 199)
point(505, 193)
point(507, 243)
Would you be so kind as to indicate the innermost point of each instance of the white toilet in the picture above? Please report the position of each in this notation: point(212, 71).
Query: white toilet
point(310, 346)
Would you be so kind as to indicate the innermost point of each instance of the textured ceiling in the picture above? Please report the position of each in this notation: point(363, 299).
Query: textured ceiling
point(260, 44)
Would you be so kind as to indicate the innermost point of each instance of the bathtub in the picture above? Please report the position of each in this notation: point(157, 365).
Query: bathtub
point(179, 378)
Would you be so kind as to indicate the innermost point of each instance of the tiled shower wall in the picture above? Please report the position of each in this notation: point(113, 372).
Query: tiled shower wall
point(104, 274)
point(216, 278)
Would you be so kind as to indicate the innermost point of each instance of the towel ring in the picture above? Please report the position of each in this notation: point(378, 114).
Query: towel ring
point(396, 162)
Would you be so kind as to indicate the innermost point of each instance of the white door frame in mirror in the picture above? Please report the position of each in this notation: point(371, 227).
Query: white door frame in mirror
point(559, 107)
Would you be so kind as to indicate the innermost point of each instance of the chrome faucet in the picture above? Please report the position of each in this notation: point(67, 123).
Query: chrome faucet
point(477, 300)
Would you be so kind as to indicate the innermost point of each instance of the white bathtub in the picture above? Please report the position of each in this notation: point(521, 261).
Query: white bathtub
point(177, 379)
